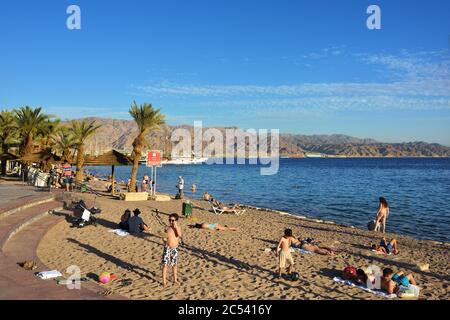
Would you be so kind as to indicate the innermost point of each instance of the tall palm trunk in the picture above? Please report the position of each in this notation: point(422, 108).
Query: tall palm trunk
point(28, 147)
point(80, 161)
point(137, 153)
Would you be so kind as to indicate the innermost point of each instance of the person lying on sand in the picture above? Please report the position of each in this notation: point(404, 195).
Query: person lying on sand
point(284, 255)
point(357, 276)
point(311, 246)
point(213, 226)
point(386, 247)
point(391, 282)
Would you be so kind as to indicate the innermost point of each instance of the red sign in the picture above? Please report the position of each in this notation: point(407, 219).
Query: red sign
point(154, 158)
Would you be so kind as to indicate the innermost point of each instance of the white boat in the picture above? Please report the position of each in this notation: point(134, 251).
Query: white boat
point(186, 161)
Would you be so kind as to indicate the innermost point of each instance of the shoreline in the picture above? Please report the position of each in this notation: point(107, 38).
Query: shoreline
point(296, 215)
point(311, 219)
point(235, 265)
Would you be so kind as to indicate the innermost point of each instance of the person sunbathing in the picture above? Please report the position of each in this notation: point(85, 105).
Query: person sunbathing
point(213, 226)
point(386, 247)
point(220, 205)
point(391, 282)
point(309, 246)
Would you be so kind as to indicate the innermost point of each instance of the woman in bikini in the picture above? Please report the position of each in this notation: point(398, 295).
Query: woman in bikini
point(382, 214)
point(213, 226)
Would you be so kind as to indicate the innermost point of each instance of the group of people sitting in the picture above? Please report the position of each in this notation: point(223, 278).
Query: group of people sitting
point(390, 281)
point(133, 224)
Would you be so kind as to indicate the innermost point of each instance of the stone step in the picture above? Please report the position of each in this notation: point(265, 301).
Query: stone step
point(23, 284)
point(13, 223)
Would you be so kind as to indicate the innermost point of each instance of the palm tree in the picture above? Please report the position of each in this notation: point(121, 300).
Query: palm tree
point(29, 121)
point(81, 130)
point(47, 132)
point(64, 143)
point(146, 119)
point(8, 133)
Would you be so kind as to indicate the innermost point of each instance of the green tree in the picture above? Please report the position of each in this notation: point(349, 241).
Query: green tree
point(81, 130)
point(64, 143)
point(29, 121)
point(47, 132)
point(147, 118)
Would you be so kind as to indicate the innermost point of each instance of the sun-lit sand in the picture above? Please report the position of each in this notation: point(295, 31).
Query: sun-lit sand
point(233, 265)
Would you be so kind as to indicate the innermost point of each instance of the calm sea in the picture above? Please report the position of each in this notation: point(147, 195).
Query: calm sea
point(342, 190)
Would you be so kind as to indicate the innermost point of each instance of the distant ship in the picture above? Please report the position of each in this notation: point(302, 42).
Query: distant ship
point(314, 155)
point(193, 159)
point(186, 160)
point(181, 160)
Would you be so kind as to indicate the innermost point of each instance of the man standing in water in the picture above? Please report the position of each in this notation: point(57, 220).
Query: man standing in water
point(170, 254)
point(180, 187)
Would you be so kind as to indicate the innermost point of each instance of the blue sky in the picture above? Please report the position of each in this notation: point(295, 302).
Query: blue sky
point(307, 67)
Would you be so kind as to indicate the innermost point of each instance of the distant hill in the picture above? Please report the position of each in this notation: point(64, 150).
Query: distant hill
point(119, 134)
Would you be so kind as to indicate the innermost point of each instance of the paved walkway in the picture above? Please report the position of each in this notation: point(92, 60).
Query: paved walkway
point(24, 220)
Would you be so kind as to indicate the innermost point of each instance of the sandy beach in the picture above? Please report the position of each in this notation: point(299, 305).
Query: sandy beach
point(233, 265)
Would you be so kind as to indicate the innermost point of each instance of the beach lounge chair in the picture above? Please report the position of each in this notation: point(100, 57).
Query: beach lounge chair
point(219, 209)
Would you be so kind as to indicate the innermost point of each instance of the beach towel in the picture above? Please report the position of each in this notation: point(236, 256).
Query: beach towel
point(120, 232)
point(377, 252)
point(377, 292)
point(49, 274)
point(293, 249)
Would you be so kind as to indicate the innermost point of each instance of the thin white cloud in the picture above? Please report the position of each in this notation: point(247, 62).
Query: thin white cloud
point(423, 83)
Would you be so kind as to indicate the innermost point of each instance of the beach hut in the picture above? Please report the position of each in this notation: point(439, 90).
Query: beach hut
point(111, 158)
point(43, 156)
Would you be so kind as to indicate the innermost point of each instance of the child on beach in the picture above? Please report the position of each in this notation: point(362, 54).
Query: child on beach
point(284, 255)
point(170, 254)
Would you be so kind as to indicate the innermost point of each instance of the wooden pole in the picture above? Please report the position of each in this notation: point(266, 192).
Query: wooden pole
point(113, 187)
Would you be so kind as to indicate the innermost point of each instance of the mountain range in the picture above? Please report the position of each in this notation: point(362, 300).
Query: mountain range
point(119, 134)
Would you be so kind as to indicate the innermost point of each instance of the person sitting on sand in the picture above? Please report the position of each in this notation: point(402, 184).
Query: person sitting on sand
point(124, 220)
point(136, 224)
point(284, 255)
point(206, 196)
point(213, 226)
point(386, 247)
point(391, 282)
point(309, 246)
point(170, 254)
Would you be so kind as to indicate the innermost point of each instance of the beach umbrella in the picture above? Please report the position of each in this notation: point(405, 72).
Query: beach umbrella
point(41, 156)
point(111, 158)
